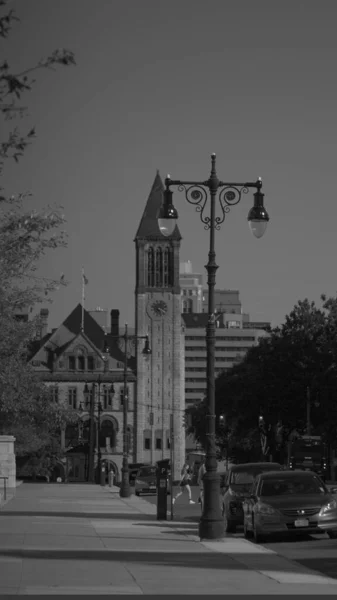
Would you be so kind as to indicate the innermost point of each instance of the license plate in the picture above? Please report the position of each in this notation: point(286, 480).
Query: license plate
point(301, 523)
point(152, 487)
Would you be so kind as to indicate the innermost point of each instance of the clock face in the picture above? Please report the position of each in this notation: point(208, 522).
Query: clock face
point(159, 308)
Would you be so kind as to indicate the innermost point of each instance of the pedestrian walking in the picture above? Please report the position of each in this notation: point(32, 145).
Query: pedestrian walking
point(201, 473)
point(186, 476)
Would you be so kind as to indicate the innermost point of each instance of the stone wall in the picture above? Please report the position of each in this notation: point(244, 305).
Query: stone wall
point(7, 462)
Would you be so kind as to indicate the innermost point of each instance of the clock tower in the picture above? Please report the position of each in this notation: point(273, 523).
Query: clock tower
point(160, 404)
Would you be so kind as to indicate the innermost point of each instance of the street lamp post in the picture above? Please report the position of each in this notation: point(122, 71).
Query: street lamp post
point(90, 402)
point(126, 339)
point(197, 193)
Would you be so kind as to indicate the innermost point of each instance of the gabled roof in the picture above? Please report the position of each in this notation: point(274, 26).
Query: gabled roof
point(92, 330)
point(61, 349)
point(117, 353)
point(148, 228)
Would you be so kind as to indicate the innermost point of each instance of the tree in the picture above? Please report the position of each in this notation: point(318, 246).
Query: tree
point(265, 397)
point(25, 236)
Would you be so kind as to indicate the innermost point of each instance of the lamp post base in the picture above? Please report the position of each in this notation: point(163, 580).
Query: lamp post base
point(211, 529)
point(211, 525)
point(125, 491)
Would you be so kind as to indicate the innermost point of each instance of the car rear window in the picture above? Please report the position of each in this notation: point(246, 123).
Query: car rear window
point(294, 486)
point(147, 471)
point(247, 477)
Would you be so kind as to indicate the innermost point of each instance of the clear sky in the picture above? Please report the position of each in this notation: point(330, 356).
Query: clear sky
point(162, 85)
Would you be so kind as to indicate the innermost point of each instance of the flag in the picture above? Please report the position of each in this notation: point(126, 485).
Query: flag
point(85, 280)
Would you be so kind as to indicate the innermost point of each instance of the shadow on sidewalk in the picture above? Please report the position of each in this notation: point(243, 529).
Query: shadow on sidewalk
point(78, 515)
point(191, 560)
point(197, 560)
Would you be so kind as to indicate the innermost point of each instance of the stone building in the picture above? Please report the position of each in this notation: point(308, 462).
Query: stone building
point(75, 356)
point(160, 381)
point(67, 360)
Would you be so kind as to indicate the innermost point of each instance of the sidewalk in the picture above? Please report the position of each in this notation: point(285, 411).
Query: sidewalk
point(84, 539)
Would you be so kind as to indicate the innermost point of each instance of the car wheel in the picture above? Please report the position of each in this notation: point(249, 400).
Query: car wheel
point(137, 493)
point(229, 526)
point(332, 534)
point(258, 539)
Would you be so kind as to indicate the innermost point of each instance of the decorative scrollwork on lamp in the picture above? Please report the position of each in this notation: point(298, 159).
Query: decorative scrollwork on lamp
point(229, 196)
point(197, 196)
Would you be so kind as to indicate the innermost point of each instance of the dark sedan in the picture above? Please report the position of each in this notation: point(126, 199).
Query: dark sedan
point(290, 502)
point(237, 486)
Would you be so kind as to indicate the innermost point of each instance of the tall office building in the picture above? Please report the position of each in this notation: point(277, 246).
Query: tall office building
point(232, 343)
point(191, 289)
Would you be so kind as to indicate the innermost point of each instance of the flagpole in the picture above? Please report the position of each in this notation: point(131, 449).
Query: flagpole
point(83, 299)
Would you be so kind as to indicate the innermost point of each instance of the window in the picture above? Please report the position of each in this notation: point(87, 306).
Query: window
point(54, 394)
point(81, 363)
point(72, 363)
point(159, 439)
point(72, 397)
point(107, 434)
point(107, 399)
point(168, 280)
point(159, 267)
point(121, 397)
point(91, 363)
point(188, 306)
point(150, 267)
point(147, 440)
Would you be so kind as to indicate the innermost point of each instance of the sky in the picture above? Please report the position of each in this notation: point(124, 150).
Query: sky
point(162, 85)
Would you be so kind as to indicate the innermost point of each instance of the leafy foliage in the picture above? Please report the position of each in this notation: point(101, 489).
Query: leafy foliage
point(25, 236)
point(292, 369)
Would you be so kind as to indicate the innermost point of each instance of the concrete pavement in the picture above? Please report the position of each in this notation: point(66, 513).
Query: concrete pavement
point(84, 539)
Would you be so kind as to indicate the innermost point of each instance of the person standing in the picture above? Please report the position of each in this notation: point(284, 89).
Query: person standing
point(186, 476)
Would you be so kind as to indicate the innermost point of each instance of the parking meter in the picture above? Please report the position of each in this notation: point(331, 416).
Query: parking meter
point(162, 472)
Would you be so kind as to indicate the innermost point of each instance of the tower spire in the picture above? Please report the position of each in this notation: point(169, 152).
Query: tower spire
point(148, 227)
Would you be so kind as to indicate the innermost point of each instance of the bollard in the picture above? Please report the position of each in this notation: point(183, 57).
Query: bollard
point(102, 477)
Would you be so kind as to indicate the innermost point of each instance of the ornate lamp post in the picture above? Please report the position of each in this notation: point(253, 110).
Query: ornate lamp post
point(197, 193)
point(125, 340)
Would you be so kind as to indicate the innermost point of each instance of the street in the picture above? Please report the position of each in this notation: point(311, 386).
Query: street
point(315, 552)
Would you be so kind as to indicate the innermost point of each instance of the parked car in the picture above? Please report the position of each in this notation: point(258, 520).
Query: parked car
point(146, 480)
point(236, 487)
point(133, 470)
point(290, 502)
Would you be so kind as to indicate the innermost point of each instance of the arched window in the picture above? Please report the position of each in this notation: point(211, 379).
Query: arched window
point(150, 267)
point(107, 434)
point(159, 267)
point(167, 268)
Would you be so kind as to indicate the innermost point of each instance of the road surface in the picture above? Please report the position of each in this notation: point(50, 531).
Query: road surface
point(316, 552)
